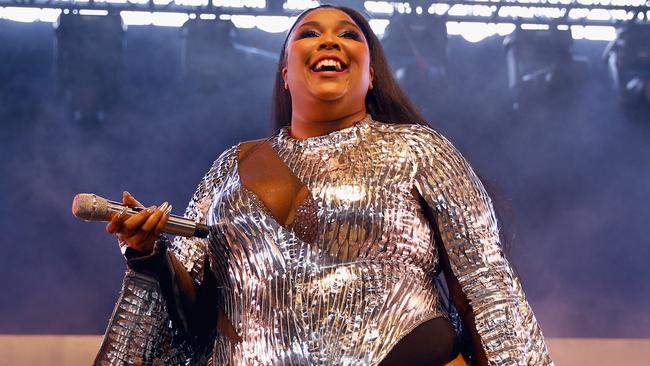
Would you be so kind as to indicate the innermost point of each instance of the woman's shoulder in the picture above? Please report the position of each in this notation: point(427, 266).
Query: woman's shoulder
point(417, 136)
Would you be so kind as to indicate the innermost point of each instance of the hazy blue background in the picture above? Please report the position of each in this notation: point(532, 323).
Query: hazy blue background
point(575, 172)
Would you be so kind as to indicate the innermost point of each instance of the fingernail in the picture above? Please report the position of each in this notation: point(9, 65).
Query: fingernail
point(168, 210)
point(123, 212)
point(150, 209)
point(163, 207)
point(126, 193)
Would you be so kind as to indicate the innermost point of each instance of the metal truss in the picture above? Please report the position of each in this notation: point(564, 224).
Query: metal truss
point(549, 12)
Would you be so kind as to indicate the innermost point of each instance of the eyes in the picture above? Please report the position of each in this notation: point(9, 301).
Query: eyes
point(349, 34)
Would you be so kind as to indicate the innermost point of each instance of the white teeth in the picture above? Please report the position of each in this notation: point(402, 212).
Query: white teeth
point(328, 62)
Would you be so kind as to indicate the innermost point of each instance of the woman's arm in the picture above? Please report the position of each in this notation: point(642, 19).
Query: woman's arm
point(503, 322)
point(170, 284)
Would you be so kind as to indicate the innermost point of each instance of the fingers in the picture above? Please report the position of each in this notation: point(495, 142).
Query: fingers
point(163, 221)
point(154, 218)
point(133, 223)
point(149, 241)
point(129, 200)
point(145, 234)
point(115, 224)
point(140, 230)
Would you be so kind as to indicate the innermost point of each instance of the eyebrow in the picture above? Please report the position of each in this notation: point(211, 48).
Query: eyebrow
point(317, 24)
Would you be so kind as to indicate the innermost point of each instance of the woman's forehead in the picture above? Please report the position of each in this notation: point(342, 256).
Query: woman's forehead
point(326, 16)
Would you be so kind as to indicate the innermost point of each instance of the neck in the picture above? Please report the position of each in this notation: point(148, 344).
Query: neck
point(306, 125)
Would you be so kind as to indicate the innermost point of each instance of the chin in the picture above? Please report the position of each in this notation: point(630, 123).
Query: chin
point(329, 95)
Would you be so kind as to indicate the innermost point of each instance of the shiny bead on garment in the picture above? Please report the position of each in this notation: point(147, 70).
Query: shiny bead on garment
point(347, 297)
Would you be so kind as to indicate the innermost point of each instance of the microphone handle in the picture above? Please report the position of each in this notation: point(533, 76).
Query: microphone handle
point(176, 225)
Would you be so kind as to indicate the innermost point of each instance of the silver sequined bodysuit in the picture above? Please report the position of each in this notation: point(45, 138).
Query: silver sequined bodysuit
point(365, 281)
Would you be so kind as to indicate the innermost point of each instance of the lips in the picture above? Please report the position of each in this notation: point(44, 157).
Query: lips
point(328, 64)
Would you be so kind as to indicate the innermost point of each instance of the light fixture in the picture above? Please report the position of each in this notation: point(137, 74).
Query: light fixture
point(628, 57)
point(89, 61)
point(541, 66)
point(416, 46)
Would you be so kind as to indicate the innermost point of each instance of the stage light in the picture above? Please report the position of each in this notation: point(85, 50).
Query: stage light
point(541, 66)
point(629, 63)
point(300, 4)
point(89, 51)
point(29, 15)
point(593, 32)
point(379, 26)
point(379, 7)
point(208, 53)
point(93, 12)
point(273, 23)
point(240, 3)
point(417, 48)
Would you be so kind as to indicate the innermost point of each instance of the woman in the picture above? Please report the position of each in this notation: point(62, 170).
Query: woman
point(327, 237)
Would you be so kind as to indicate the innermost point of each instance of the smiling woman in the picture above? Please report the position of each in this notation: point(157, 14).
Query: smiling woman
point(327, 72)
point(326, 238)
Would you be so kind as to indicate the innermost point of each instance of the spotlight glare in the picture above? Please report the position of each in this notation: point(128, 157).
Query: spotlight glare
point(191, 2)
point(155, 18)
point(503, 29)
point(136, 17)
point(243, 21)
point(273, 24)
point(439, 9)
point(472, 32)
point(379, 7)
point(578, 13)
point(599, 14)
point(459, 10)
point(593, 32)
point(240, 3)
point(379, 25)
point(534, 26)
point(93, 12)
point(29, 15)
point(169, 19)
point(300, 4)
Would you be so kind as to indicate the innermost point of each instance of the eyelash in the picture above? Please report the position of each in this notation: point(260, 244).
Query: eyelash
point(347, 34)
point(350, 34)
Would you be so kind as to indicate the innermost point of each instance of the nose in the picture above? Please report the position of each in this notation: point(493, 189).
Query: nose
point(329, 43)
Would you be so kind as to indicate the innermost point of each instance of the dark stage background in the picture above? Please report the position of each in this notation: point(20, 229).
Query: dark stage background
point(575, 171)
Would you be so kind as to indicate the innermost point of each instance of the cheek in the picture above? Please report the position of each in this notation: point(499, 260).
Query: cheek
point(363, 58)
point(295, 67)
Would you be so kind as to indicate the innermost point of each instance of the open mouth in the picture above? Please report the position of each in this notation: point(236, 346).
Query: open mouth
point(329, 64)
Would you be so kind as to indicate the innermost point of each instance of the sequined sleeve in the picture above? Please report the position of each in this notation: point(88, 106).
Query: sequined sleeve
point(507, 328)
point(140, 331)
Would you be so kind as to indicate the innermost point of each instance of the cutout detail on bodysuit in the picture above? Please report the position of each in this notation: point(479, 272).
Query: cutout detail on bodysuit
point(280, 192)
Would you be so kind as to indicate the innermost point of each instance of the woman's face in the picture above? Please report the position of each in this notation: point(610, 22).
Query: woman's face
point(327, 59)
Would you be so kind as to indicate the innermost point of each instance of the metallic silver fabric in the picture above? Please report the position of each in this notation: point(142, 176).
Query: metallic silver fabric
point(347, 297)
point(139, 331)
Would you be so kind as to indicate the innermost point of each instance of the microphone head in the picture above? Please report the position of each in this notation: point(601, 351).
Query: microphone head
point(90, 207)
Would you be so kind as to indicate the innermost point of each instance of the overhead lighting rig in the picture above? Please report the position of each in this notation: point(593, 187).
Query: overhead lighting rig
point(559, 12)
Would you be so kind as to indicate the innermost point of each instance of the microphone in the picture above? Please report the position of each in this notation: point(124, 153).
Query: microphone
point(91, 207)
